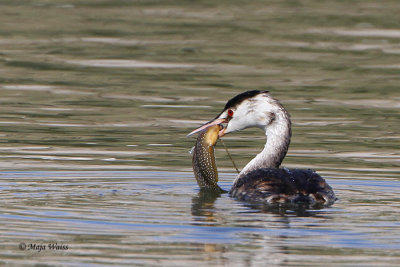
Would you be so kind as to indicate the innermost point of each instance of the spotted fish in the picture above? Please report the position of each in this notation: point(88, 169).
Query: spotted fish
point(203, 159)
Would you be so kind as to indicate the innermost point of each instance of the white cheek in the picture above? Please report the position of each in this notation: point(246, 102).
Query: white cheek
point(260, 120)
point(237, 124)
point(232, 127)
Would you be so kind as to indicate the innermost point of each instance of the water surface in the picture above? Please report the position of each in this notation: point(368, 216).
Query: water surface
point(97, 98)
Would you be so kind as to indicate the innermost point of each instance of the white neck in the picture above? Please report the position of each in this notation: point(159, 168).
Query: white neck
point(278, 139)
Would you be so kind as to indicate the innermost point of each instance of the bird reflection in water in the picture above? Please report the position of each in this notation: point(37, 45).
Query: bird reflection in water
point(204, 210)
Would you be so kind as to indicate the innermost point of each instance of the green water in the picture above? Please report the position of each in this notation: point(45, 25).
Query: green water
point(96, 99)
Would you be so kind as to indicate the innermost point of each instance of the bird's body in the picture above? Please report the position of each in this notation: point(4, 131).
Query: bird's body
point(282, 185)
point(262, 179)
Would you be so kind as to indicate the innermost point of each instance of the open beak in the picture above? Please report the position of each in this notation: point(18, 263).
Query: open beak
point(205, 126)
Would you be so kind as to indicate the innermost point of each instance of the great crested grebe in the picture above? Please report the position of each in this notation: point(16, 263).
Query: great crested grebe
point(261, 180)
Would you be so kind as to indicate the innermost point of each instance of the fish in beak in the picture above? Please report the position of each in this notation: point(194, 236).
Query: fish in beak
point(211, 123)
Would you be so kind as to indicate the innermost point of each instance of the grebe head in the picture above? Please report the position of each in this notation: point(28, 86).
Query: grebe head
point(249, 109)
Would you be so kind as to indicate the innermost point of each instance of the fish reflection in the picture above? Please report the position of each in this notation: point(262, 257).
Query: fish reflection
point(203, 205)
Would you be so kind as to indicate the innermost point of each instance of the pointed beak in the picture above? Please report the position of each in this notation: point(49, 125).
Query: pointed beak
point(208, 124)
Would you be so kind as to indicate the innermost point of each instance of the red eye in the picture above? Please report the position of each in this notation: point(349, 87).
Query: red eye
point(230, 112)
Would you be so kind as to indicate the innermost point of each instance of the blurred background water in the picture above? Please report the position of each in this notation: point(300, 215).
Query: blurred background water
point(96, 99)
